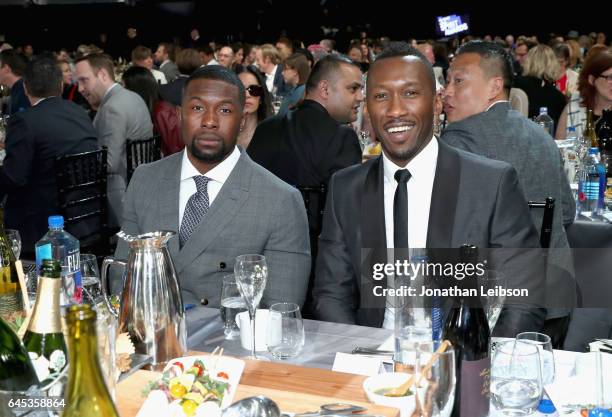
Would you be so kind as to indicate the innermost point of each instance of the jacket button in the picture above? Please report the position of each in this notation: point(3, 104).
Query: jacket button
point(222, 265)
point(204, 301)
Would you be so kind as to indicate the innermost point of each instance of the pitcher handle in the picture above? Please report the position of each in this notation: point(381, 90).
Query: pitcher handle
point(108, 261)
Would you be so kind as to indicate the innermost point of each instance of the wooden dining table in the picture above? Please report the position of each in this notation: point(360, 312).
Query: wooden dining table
point(293, 388)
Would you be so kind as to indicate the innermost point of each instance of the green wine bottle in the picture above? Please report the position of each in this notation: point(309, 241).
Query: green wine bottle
point(16, 370)
point(44, 339)
point(87, 394)
point(10, 291)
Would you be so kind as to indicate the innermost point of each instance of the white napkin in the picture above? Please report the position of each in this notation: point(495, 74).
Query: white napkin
point(569, 391)
point(357, 364)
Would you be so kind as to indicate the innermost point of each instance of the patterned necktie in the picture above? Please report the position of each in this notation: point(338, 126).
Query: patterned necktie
point(196, 208)
point(400, 210)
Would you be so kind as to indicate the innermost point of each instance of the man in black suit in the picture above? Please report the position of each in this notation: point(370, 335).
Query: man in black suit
point(306, 146)
point(269, 63)
point(52, 127)
point(446, 198)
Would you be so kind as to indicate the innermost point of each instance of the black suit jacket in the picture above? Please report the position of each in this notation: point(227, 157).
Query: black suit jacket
point(35, 138)
point(474, 201)
point(282, 87)
point(305, 147)
point(173, 91)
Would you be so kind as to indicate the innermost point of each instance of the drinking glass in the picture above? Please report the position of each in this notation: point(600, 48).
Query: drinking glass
point(90, 277)
point(285, 337)
point(494, 302)
point(251, 273)
point(547, 359)
point(436, 389)
point(516, 378)
point(15, 240)
point(231, 304)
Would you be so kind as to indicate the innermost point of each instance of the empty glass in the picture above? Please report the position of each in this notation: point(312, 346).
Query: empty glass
point(15, 240)
point(285, 337)
point(231, 304)
point(547, 359)
point(516, 378)
point(90, 277)
point(492, 301)
point(251, 272)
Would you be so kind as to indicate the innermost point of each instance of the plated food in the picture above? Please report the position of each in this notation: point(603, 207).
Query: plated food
point(194, 386)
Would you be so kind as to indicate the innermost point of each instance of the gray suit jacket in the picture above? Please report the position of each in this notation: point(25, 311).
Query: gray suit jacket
point(122, 115)
point(170, 70)
point(474, 201)
point(506, 135)
point(254, 212)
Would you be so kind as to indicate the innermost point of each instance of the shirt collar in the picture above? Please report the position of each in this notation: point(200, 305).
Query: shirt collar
point(495, 102)
point(41, 100)
point(220, 173)
point(422, 165)
point(272, 73)
point(109, 89)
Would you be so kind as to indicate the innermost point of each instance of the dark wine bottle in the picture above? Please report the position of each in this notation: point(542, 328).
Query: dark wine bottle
point(467, 329)
point(44, 338)
point(16, 370)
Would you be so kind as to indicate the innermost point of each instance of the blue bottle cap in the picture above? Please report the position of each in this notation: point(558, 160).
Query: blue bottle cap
point(593, 150)
point(546, 407)
point(56, 221)
point(600, 412)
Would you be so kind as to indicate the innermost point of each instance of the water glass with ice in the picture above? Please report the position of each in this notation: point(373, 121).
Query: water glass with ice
point(232, 303)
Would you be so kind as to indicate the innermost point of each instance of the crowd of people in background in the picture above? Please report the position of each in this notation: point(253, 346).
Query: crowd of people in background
point(305, 110)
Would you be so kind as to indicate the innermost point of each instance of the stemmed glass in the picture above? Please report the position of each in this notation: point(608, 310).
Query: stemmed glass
point(251, 273)
point(15, 239)
point(493, 303)
point(547, 359)
point(90, 277)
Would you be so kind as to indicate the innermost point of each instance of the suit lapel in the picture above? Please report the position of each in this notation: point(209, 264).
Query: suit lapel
point(225, 207)
point(373, 238)
point(169, 202)
point(444, 198)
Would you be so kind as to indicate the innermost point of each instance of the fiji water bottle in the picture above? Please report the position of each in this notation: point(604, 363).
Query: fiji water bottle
point(62, 246)
point(592, 185)
point(546, 121)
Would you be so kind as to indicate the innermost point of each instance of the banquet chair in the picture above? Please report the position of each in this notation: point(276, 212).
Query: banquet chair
point(81, 193)
point(140, 152)
point(314, 201)
point(547, 219)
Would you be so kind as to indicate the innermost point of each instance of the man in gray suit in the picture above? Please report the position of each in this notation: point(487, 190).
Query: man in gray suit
point(445, 198)
point(482, 122)
point(219, 201)
point(121, 115)
point(164, 57)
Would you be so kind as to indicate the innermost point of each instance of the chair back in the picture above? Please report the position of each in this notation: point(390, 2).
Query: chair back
point(81, 187)
point(519, 101)
point(547, 219)
point(140, 152)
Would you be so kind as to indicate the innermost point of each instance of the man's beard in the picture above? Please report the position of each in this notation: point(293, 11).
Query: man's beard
point(216, 157)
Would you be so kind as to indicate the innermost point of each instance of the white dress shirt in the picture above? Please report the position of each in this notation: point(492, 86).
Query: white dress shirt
point(218, 175)
point(270, 79)
point(420, 186)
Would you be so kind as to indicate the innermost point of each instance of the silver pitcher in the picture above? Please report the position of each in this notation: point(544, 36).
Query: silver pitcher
point(151, 308)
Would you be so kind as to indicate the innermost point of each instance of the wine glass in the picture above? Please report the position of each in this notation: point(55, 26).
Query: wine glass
point(90, 277)
point(516, 378)
point(251, 273)
point(15, 239)
point(492, 301)
point(547, 359)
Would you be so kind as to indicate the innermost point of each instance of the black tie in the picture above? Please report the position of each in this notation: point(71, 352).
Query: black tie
point(400, 210)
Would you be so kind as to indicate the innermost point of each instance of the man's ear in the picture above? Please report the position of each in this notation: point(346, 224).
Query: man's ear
point(496, 87)
point(179, 110)
point(324, 89)
point(438, 105)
